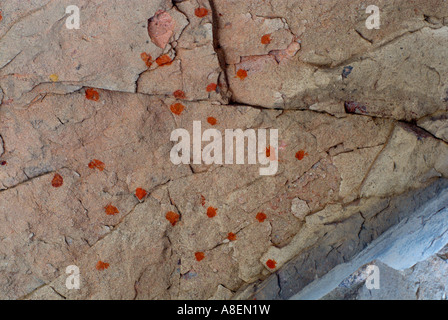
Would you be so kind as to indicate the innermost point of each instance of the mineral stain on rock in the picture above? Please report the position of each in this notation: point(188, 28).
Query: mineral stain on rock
point(101, 266)
point(261, 216)
point(268, 152)
point(92, 94)
point(164, 60)
point(111, 210)
point(146, 57)
point(271, 264)
point(199, 256)
point(212, 121)
point(301, 154)
point(355, 107)
point(57, 180)
point(211, 212)
point(212, 87)
point(179, 94)
point(241, 74)
point(346, 71)
point(202, 200)
point(177, 108)
point(140, 193)
point(266, 39)
point(172, 217)
point(201, 12)
point(231, 236)
point(97, 164)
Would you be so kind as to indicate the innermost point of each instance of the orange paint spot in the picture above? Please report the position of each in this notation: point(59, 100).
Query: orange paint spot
point(242, 74)
point(261, 216)
point(179, 94)
point(96, 164)
point(172, 217)
point(102, 265)
point(271, 264)
point(202, 200)
point(140, 193)
point(268, 152)
point(266, 39)
point(164, 60)
point(57, 180)
point(211, 212)
point(201, 12)
point(92, 94)
point(231, 236)
point(301, 154)
point(212, 87)
point(212, 121)
point(177, 108)
point(146, 57)
point(111, 210)
point(199, 256)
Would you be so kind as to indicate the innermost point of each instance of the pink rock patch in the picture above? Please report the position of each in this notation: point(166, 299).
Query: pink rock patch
point(160, 28)
point(255, 64)
point(287, 53)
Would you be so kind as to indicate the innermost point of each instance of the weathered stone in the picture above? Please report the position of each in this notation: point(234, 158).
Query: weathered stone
point(86, 119)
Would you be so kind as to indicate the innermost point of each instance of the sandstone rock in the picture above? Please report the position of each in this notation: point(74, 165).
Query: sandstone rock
point(86, 118)
point(299, 208)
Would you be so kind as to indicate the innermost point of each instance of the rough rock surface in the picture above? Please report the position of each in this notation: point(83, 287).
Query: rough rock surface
point(410, 259)
point(86, 117)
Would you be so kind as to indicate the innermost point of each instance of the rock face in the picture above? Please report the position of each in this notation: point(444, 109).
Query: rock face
point(86, 123)
point(406, 262)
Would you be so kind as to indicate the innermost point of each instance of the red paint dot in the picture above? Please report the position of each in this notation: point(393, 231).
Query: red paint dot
point(140, 193)
point(1, 17)
point(242, 74)
point(212, 87)
point(268, 152)
point(261, 216)
point(301, 154)
point(164, 60)
point(146, 57)
point(3, 163)
point(111, 210)
point(92, 94)
point(212, 121)
point(172, 217)
point(266, 39)
point(57, 180)
point(211, 212)
point(177, 108)
point(202, 200)
point(96, 164)
point(201, 12)
point(179, 94)
point(199, 256)
point(271, 264)
point(102, 265)
point(231, 236)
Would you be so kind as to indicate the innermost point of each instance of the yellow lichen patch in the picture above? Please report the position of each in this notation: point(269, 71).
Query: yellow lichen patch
point(54, 77)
